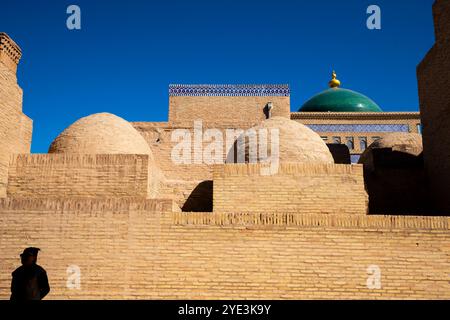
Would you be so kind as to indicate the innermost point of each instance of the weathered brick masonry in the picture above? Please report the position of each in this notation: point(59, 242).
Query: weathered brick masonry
point(82, 175)
point(15, 127)
point(139, 249)
point(295, 187)
point(224, 110)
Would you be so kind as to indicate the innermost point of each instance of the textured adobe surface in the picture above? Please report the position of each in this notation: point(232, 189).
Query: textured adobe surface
point(15, 127)
point(83, 175)
point(297, 143)
point(159, 254)
point(101, 133)
point(303, 188)
point(218, 110)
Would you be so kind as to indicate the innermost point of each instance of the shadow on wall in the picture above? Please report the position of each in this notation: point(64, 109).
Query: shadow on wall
point(200, 199)
point(396, 183)
point(340, 153)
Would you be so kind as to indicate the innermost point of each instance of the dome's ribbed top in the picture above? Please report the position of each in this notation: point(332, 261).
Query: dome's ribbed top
point(101, 133)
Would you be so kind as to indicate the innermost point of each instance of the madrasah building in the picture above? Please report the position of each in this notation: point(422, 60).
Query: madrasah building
point(357, 208)
point(338, 115)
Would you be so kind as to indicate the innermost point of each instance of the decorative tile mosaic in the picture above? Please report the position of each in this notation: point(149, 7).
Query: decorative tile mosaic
point(359, 127)
point(280, 90)
point(355, 158)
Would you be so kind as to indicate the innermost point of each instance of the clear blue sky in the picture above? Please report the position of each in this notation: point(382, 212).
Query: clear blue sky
point(128, 52)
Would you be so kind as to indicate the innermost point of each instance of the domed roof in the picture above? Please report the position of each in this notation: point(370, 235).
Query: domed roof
point(338, 99)
point(407, 145)
point(297, 143)
point(101, 133)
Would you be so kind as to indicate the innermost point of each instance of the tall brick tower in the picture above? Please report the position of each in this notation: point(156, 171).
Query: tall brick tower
point(15, 127)
point(433, 75)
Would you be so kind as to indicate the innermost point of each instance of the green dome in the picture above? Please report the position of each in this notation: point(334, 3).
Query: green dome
point(340, 100)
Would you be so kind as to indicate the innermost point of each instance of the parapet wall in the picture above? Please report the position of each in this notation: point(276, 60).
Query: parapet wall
point(128, 249)
point(81, 175)
point(295, 187)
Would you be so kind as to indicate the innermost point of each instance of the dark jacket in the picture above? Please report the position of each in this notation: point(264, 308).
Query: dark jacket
point(29, 283)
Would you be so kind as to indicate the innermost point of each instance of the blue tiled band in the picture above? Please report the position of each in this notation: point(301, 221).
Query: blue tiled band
point(229, 90)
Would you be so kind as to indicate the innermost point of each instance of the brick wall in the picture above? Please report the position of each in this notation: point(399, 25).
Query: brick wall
point(184, 110)
point(181, 180)
point(301, 188)
point(129, 249)
point(15, 127)
point(160, 142)
point(77, 175)
point(433, 81)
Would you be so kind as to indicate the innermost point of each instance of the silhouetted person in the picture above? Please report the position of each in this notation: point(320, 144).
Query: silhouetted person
point(29, 281)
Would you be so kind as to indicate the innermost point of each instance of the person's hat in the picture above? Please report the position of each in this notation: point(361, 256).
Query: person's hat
point(31, 251)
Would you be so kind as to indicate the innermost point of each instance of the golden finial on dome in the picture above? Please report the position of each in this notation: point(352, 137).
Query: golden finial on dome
point(334, 83)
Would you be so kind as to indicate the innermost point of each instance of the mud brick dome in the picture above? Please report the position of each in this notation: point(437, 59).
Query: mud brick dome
point(101, 133)
point(404, 144)
point(297, 143)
